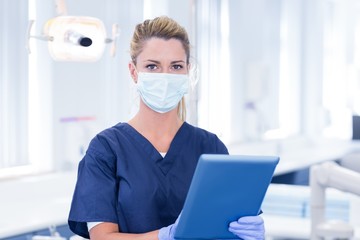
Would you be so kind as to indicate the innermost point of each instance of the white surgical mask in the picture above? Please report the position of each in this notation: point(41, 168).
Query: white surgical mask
point(162, 91)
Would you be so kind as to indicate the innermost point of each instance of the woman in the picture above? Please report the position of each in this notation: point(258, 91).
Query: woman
point(134, 178)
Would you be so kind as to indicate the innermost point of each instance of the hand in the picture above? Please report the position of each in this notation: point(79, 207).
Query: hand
point(167, 233)
point(248, 228)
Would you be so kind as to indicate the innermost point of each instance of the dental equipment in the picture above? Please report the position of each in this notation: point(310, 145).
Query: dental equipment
point(54, 235)
point(322, 176)
point(75, 38)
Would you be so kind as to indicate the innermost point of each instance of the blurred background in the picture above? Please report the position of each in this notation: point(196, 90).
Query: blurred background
point(273, 77)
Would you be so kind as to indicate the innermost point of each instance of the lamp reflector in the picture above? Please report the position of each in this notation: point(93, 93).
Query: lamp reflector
point(75, 38)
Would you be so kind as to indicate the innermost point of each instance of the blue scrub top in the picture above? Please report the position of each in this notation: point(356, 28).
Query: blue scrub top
point(123, 179)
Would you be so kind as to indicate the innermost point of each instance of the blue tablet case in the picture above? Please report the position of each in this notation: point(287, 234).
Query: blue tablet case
point(224, 188)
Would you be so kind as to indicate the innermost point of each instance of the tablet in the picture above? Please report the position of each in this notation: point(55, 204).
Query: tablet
point(223, 189)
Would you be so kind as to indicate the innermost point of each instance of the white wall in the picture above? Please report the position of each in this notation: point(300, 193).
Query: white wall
point(239, 44)
point(13, 84)
point(96, 94)
point(254, 66)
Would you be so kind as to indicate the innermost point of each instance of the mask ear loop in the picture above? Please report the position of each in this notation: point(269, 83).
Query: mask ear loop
point(134, 93)
point(135, 79)
point(193, 74)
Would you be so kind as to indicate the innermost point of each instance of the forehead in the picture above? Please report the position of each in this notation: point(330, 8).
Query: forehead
point(162, 50)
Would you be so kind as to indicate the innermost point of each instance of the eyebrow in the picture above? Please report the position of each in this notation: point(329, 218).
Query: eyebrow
point(172, 62)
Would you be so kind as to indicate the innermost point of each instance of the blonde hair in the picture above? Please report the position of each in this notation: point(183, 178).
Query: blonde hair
point(164, 28)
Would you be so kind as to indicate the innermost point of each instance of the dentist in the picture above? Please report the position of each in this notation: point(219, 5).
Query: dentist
point(133, 180)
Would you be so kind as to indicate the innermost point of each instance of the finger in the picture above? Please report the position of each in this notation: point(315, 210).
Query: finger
point(247, 225)
point(249, 234)
point(236, 226)
point(251, 220)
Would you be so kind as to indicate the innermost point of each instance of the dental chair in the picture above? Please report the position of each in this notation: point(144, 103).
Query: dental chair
point(330, 175)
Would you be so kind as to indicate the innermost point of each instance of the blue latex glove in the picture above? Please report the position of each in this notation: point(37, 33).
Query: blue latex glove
point(167, 233)
point(248, 228)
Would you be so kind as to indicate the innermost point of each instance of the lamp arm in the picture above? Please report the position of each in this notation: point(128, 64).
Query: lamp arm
point(28, 36)
point(61, 7)
point(115, 34)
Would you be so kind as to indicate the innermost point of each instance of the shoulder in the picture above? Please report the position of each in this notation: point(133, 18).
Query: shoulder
point(108, 139)
point(200, 132)
point(115, 131)
point(206, 138)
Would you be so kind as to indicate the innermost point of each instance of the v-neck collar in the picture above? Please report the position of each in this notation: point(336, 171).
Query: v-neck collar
point(167, 162)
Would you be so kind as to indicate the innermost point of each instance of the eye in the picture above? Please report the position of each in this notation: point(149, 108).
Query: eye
point(177, 67)
point(151, 66)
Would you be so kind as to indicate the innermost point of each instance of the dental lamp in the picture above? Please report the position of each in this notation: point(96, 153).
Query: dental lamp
point(322, 176)
point(75, 38)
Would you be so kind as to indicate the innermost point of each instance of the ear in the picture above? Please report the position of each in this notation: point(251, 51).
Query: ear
point(132, 70)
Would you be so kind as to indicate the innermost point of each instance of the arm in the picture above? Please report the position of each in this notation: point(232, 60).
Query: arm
point(110, 231)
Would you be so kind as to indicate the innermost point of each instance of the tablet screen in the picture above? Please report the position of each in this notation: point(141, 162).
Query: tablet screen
point(223, 189)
